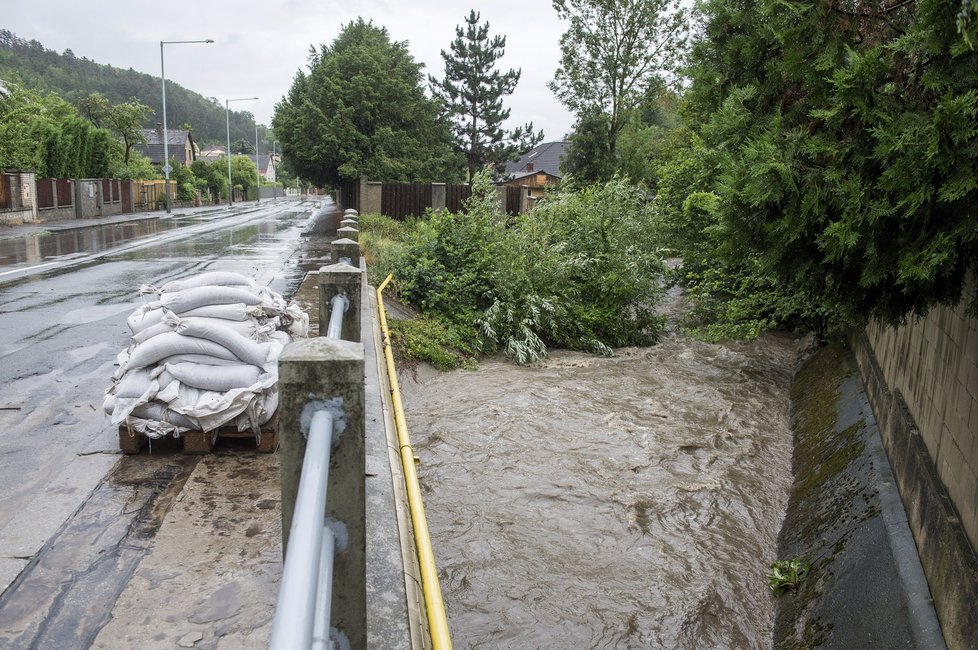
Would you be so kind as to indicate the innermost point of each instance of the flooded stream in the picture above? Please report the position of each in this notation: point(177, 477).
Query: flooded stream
point(591, 502)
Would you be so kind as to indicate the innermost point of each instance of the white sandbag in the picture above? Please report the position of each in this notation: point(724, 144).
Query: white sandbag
point(299, 321)
point(199, 358)
point(243, 348)
point(248, 328)
point(282, 338)
point(183, 301)
point(172, 343)
point(159, 412)
point(144, 335)
point(146, 316)
point(108, 404)
point(233, 311)
point(209, 409)
point(154, 429)
point(217, 378)
point(211, 278)
point(274, 352)
point(133, 384)
point(259, 412)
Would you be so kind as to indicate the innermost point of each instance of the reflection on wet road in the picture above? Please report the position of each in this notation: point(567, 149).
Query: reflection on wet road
point(592, 502)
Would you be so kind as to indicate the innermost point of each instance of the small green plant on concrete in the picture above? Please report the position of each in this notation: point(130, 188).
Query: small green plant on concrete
point(786, 575)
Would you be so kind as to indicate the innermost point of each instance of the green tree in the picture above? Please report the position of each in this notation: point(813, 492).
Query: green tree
point(850, 147)
point(46, 134)
point(361, 110)
point(244, 174)
point(472, 94)
point(242, 146)
point(212, 175)
point(588, 159)
point(139, 167)
point(613, 52)
point(125, 120)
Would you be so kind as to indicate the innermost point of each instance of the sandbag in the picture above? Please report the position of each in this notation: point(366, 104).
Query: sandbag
point(248, 328)
point(210, 278)
point(217, 378)
point(199, 358)
point(243, 348)
point(146, 316)
point(172, 343)
point(183, 301)
point(144, 335)
point(232, 311)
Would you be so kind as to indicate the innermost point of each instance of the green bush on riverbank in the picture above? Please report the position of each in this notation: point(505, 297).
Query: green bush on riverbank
point(579, 271)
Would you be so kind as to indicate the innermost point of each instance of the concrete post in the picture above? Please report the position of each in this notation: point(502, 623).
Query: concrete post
point(501, 198)
point(371, 201)
point(321, 372)
point(348, 223)
point(439, 196)
point(348, 281)
point(350, 212)
point(346, 249)
point(346, 232)
point(361, 194)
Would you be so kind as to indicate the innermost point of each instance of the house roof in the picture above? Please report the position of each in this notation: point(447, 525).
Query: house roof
point(262, 162)
point(544, 157)
point(153, 149)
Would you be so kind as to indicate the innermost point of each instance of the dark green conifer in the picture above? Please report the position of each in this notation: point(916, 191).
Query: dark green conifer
point(472, 94)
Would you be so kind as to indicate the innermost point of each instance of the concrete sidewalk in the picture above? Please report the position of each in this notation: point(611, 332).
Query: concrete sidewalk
point(73, 224)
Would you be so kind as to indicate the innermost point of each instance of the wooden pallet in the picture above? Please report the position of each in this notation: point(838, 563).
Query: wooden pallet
point(198, 442)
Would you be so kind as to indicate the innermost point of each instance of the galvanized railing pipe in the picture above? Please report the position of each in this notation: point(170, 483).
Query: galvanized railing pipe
point(324, 596)
point(300, 592)
point(338, 306)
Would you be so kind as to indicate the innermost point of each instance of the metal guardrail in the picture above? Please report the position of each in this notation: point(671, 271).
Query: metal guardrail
point(302, 615)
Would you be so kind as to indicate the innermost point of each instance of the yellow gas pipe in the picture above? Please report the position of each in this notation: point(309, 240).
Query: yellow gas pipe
point(434, 605)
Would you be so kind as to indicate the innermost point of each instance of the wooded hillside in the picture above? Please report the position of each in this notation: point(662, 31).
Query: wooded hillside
point(73, 78)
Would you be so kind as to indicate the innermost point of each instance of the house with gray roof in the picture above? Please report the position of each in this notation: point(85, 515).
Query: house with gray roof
point(180, 143)
point(537, 168)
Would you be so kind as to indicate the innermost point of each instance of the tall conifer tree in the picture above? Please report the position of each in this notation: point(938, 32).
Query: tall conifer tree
point(472, 93)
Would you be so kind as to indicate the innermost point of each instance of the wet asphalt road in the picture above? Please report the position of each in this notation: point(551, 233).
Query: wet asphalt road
point(64, 298)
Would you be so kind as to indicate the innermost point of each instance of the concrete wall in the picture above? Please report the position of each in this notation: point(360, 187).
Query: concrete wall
point(87, 201)
point(922, 383)
point(23, 204)
point(933, 362)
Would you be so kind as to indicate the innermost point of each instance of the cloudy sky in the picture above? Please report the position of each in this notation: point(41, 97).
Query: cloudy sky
point(259, 46)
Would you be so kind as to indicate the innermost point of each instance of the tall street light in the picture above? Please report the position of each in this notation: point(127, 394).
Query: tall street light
point(166, 139)
point(257, 170)
point(271, 163)
point(227, 116)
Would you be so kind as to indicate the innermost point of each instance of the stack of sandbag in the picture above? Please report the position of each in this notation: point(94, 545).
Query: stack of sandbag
point(202, 356)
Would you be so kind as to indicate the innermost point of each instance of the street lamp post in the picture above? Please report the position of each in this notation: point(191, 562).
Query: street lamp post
point(271, 163)
point(257, 169)
point(166, 139)
point(227, 117)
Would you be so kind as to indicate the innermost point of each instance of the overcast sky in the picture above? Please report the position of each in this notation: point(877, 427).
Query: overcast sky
point(259, 46)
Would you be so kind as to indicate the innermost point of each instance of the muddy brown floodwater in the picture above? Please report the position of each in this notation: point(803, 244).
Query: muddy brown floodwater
point(591, 502)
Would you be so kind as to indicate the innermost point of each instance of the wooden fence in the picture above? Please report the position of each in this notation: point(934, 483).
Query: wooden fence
point(456, 196)
point(402, 200)
point(6, 195)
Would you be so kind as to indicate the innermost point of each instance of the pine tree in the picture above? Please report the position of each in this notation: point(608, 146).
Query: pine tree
point(472, 94)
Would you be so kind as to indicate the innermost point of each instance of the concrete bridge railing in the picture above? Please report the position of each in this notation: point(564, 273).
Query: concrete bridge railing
point(375, 599)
